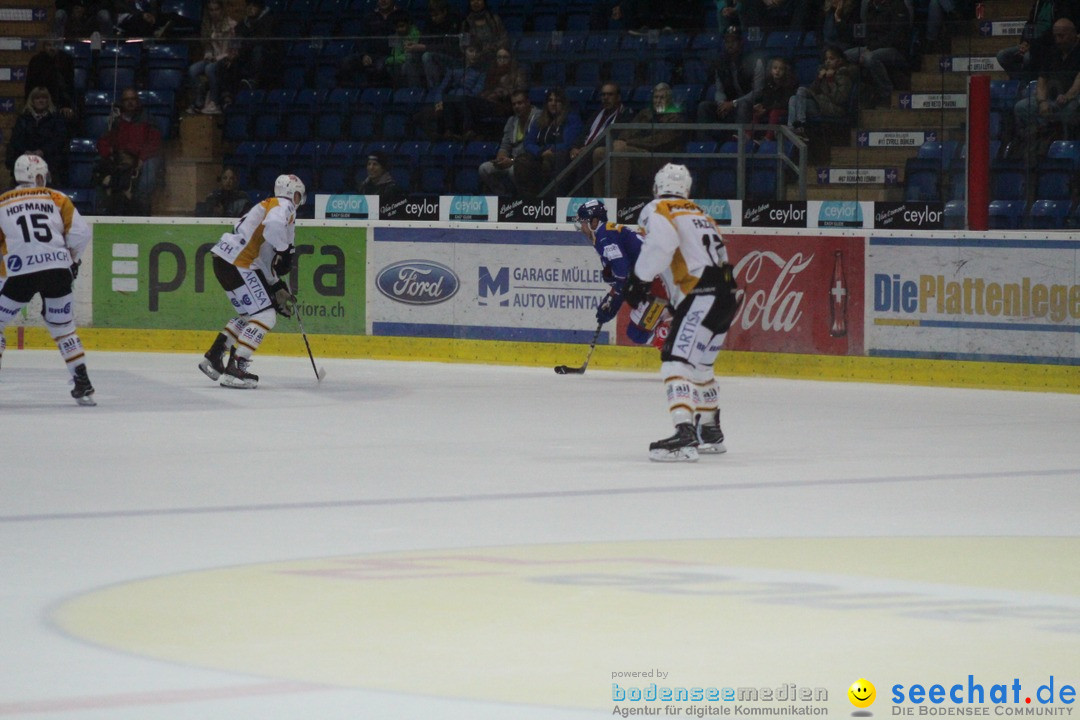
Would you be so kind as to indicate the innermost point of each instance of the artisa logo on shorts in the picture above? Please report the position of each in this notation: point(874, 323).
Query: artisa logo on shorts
point(973, 697)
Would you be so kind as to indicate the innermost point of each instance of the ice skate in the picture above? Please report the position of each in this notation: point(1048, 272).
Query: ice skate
point(680, 447)
point(236, 375)
point(83, 391)
point(214, 363)
point(711, 437)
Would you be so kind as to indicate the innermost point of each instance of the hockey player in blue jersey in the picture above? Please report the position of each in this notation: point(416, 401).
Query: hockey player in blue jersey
point(618, 247)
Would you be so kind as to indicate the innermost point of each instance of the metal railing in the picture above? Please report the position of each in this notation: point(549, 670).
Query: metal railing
point(744, 150)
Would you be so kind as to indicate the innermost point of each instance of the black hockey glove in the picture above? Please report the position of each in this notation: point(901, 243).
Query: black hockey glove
point(284, 300)
point(282, 262)
point(609, 277)
point(609, 307)
point(636, 290)
point(75, 269)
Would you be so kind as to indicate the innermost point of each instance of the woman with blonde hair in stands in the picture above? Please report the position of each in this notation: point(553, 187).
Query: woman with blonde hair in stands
point(40, 130)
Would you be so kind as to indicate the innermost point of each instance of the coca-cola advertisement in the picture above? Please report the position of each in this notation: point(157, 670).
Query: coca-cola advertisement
point(799, 294)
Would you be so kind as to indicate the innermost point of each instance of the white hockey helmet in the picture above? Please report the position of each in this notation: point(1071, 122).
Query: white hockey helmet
point(672, 179)
point(28, 168)
point(288, 186)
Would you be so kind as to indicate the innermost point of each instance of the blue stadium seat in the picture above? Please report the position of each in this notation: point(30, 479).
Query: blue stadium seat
point(1008, 180)
point(1065, 150)
point(783, 42)
point(1053, 179)
point(467, 180)
point(922, 179)
point(1048, 214)
point(955, 215)
point(943, 151)
point(82, 156)
point(396, 125)
point(1006, 214)
point(432, 180)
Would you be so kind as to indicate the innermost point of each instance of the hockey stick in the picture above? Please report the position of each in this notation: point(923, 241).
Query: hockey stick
point(320, 373)
point(565, 370)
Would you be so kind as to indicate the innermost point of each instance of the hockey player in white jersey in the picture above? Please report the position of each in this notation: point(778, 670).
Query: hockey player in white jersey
point(250, 263)
point(683, 246)
point(42, 238)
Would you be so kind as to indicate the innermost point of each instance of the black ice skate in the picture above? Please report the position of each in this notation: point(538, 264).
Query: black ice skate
point(83, 391)
point(236, 375)
point(711, 437)
point(214, 363)
point(680, 447)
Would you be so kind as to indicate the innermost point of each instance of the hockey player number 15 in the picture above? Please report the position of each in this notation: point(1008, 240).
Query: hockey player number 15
point(37, 224)
point(712, 243)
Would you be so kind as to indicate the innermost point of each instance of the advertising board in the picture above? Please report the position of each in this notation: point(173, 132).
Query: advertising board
point(159, 276)
point(973, 298)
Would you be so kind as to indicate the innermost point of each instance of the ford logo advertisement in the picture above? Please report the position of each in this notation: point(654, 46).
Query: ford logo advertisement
point(417, 282)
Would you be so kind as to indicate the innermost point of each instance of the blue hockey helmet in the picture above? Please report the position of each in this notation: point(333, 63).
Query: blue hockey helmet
point(592, 209)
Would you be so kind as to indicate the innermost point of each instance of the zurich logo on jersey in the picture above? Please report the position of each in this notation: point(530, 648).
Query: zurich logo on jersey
point(417, 282)
point(14, 263)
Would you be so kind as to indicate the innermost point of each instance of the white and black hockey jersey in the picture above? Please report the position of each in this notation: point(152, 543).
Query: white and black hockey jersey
point(265, 230)
point(680, 242)
point(40, 229)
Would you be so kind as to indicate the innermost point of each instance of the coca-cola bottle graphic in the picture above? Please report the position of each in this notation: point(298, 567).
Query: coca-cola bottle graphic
point(838, 298)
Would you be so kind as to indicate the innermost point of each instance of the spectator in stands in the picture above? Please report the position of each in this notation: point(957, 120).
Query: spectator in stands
point(259, 56)
point(53, 68)
point(218, 29)
point(612, 110)
point(450, 117)
point(1057, 91)
point(404, 63)
point(885, 46)
point(774, 14)
point(367, 68)
point(547, 144)
point(230, 74)
point(737, 77)
point(440, 41)
point(485, 30)
point(40, 130)
point(138, 18)
point(497, 175)
point(378, 180)
point(829, 95)
point(728, 14)
point(226, 200)
point(655, 141)
point(500, 81)
point(78, 19)
point(131, 146)
point(839, 20)
point(614, 16)
point(771, 104)
point(1019, 60)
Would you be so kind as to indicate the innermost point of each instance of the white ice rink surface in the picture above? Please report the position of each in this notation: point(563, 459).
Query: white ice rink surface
point(420, 540)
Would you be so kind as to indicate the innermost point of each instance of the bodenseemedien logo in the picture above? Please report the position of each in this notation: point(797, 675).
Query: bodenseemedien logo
point(862, 695)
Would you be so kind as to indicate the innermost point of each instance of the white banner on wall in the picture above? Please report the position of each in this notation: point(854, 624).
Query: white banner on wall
point(505, 284)
point(973, 298)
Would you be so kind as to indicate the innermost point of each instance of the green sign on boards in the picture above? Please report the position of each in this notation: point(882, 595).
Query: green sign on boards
point(160, 277)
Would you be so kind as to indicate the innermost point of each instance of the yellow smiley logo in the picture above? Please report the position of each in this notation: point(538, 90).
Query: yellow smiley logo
point(862, 693)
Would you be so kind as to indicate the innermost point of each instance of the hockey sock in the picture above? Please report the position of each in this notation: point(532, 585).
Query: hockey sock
point(71, 349)
point(680, 399)
point(233, 330)
point(258, 325)
point(706, 401)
